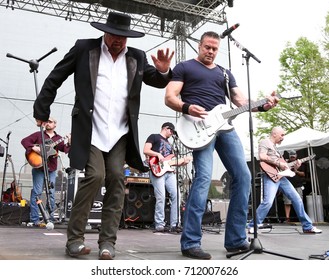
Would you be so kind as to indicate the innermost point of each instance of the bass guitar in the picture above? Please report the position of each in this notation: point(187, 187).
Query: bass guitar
point(196, 133)
point(276, 174)
point(35, 159)
point(160, 168)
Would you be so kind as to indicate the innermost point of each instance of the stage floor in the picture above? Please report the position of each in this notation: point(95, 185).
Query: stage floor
point(137, 243)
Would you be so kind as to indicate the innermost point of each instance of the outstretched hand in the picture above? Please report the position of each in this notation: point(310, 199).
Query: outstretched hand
point(163, 59)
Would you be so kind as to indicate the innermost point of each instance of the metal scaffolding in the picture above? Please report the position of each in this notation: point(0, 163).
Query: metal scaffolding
point(176, 20)
point(156, 17)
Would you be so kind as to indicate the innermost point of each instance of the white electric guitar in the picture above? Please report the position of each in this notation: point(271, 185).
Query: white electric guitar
point(196, 133)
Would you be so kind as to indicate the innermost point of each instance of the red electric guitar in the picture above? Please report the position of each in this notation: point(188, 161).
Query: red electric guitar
point(160, 168)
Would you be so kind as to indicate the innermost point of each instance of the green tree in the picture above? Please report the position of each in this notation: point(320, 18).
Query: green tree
point(326, 35)
point(303, 70)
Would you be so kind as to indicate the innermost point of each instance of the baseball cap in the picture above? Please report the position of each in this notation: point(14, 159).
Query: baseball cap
point(292, 153)
point(169, 125)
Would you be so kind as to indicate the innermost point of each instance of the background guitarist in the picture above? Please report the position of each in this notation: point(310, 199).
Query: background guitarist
point(297, 181)
point(269, 154)
point(32, 143)
point(157, 145)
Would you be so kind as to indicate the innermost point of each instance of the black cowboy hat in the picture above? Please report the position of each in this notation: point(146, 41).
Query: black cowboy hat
point(117, 24)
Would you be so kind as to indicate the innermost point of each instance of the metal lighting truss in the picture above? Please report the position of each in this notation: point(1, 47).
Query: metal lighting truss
point(176, 20)
point(156, 17)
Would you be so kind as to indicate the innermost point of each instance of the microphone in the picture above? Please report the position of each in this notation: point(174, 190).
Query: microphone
point(8, 134)
point(45, 215)
point(229, 30)
point(174, 134)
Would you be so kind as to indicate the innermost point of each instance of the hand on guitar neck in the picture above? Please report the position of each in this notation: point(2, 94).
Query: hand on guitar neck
point(197, 132)
point(283, 168)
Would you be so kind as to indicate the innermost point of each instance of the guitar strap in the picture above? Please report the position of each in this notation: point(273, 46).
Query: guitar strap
point(227, 79)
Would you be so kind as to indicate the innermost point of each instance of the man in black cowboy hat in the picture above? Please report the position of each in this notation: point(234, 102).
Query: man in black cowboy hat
point(108, 78)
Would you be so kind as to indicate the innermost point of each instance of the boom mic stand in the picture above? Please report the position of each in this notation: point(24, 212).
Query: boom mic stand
point(34, 65)
point(255, 245)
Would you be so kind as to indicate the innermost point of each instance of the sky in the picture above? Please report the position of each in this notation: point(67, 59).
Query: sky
point(265, 28)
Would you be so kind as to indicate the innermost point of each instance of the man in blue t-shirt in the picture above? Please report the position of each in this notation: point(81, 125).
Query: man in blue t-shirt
point(198, 86)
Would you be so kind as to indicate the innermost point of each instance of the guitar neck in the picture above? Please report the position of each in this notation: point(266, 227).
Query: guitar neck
point(57, 142)
point(175, 161)
point(244, 108)
point(291, 164)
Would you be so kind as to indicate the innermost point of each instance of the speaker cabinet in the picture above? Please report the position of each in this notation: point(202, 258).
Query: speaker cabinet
point(96, 211)
point(139, 201)
point(139, 204)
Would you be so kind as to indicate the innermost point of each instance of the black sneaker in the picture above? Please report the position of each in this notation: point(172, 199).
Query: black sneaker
point(196, 253)
point(244, 247)
point(161, 229)
point(177, 229)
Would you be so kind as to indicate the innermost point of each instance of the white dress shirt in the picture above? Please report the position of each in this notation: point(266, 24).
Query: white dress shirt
point(110, 119)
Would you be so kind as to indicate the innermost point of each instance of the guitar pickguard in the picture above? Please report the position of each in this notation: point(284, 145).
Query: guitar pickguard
point(196, 133)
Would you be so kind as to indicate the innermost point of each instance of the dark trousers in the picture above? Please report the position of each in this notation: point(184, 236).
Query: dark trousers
point(100, 166)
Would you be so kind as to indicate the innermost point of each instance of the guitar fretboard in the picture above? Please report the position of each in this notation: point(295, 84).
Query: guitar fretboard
point(53, 144)
point(244, 108)
point(291, 164)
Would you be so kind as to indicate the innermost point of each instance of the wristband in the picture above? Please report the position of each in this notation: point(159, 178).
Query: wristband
point(185, 108)
point(261, 108)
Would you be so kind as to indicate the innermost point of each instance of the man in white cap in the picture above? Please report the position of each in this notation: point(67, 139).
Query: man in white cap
point(108, 77)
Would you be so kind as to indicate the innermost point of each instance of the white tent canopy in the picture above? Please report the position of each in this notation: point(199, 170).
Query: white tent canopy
point(307, 138)
point(304, 137)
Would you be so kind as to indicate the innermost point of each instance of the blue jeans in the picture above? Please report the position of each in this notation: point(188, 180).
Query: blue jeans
point(160, 185)
point(270, 190)
point(38, 183)
point(230, 150)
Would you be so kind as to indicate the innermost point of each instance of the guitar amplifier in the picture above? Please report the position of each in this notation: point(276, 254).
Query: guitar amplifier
point(139, 200)
point(74, 178)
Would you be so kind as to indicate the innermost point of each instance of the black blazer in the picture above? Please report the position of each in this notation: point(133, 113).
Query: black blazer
point(82, 61)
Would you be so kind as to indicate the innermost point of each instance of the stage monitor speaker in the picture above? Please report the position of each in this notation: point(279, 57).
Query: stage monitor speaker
point(139, 204)
point(13, 214)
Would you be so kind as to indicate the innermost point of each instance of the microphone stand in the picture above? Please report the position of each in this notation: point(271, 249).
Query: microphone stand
point(255, 245)
point(176, 153)
point(34, 65)
point(5, 166)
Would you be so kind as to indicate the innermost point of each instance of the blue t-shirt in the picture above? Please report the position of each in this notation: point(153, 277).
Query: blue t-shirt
point(202, 86)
